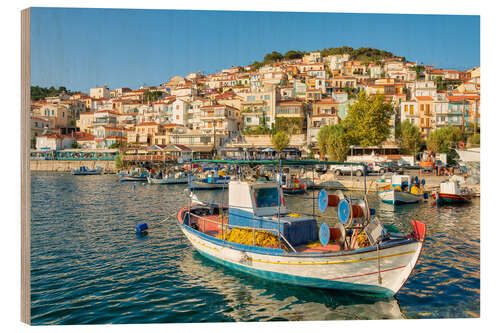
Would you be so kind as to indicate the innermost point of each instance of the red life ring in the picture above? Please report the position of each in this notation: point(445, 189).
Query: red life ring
point(461, 145)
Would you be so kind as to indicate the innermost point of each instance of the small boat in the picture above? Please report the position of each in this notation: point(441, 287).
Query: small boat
point(451, 193)
point(403, 190)
point(255, 234)
point(294, 187)
point(292, 184)
point(214, 180)
point(135, 176)
point(177, 178)
point(84, 171)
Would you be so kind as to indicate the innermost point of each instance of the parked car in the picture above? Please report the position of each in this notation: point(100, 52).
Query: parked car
point(356, 170)
point(321, 169)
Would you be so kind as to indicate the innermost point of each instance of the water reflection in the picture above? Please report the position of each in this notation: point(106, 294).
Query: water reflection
point(249, 298)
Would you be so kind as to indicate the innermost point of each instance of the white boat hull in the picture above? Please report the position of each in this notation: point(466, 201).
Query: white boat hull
point(353, 270)
point(394, 197)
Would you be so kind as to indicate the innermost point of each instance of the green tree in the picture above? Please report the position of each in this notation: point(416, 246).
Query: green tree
point(280, 141)
point(409, 137)
point(256, 65)
point(118, 162)
point(289, 125)
point(440, 140)
point(152, 96)
point(475, 139)
point(292, 54)
point(334, 141)
point(272, 57)
point(367, 121)
point(337, 143)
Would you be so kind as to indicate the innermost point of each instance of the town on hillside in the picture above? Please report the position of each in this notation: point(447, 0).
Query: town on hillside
point(236, 112)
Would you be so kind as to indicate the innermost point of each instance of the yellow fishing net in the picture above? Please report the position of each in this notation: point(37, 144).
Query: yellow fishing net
point(245, 236)
point(415, 190)
point(363, 240)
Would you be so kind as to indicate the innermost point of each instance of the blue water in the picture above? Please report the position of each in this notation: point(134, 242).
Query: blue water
point(89, 267)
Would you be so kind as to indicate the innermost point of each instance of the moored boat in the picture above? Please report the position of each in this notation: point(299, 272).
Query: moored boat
point(451, 193)
point(292, 184)
point(256, 234)
point(215, 179)
point(134, 176)
point(84, 171)
point(177, 178)
point(402, 191)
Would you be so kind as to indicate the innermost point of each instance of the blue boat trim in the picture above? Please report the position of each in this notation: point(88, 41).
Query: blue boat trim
point(299, 280)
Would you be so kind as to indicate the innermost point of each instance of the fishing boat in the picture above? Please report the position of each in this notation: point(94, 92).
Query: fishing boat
point(84, 171)
point(134, 176)
point(256, 234)
point(215, 179)
point(451, 193)
point(176, 178)
point(402, 190)
point(292, 184)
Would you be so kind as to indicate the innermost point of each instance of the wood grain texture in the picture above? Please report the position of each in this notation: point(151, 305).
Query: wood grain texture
point(25, 168)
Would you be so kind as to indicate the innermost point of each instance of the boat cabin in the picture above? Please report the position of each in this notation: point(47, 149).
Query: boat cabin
point(450, 187)
point(261, 205)
point(400, 180)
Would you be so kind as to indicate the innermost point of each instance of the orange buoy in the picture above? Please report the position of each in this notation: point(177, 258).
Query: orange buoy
point(461, 145)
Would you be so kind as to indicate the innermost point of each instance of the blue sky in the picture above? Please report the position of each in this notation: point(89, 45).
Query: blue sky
point(84, 48)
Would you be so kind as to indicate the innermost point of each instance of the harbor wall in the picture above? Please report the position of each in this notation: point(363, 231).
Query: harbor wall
point(66, 166)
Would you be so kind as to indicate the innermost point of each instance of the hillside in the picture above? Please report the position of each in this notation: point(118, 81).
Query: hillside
point(363, 54)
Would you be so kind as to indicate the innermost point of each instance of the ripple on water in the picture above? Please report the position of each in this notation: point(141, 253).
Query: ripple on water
point(89, 267)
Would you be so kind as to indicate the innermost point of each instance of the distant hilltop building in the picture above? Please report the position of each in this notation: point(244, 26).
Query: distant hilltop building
point(99, 92)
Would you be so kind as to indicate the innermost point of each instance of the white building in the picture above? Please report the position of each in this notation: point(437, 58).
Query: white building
point(99, 92)
point(54, 142)
point(180, 109)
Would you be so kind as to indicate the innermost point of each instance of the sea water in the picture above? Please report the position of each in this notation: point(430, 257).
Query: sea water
point(88, 265)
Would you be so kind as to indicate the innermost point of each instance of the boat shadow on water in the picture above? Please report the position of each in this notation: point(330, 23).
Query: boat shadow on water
point(254, 299)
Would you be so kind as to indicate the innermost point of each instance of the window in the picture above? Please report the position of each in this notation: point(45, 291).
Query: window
point(421, 107)
point(266, 197)
point(267, 97)
point(406, 107)
point(411, 110)
point(52, 112)
point(249, 120)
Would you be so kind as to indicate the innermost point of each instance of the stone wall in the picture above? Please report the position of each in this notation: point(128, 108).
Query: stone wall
point(66, 166)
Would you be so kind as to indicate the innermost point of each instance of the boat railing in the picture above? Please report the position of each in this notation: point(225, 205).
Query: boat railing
point(224, 226)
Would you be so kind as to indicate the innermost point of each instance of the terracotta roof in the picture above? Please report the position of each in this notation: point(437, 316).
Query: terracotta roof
point(424, 98)
point(149, 123)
